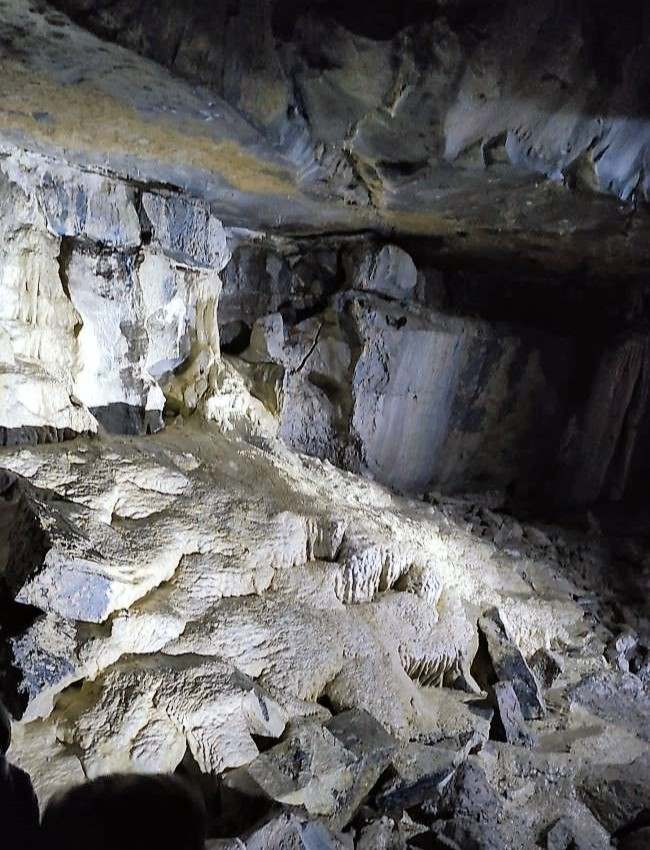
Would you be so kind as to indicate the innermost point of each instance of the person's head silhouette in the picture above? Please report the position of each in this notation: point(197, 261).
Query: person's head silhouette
point(5, 730)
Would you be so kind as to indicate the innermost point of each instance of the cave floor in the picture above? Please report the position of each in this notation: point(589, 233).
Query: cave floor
point(195, 593)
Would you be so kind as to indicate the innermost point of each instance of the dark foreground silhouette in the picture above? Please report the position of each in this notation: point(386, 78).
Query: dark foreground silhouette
point(126, 812)
point(118, 812)
point(18, 804)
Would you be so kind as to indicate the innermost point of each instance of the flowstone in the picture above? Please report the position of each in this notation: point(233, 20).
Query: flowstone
point(217, 571)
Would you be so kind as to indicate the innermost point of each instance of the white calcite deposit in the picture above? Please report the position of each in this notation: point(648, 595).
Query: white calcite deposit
point(117, 301)
point(209, 555)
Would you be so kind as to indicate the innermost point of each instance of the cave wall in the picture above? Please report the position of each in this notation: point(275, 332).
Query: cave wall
point(390, 379)
point(320, 203)
point(109, 290)
point(368, 94)
point(364, 358)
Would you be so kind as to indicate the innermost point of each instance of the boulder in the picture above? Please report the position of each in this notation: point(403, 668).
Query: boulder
point(421, 774)
point(547, 666)
point(468, 834)
point(291, 831)
point(311, 769)
point(616, 794)
point(382, 834)
point(327, 770)
point(509, 720)
point(509, 665)
point(470, 795)
point(374, 750)
point(619, 698)
point(564, 834)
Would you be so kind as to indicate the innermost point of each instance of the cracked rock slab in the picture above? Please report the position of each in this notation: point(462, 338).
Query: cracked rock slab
point(143, 713)
point(510, 665)
point(65, 561)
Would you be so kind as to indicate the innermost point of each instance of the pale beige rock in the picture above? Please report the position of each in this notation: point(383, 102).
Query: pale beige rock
point(224, 544)
point(143, 713)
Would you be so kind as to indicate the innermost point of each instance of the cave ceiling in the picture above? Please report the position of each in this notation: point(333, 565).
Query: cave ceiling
point(513, 132)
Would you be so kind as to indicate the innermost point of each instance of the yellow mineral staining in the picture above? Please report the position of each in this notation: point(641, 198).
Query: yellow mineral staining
point(86, 119)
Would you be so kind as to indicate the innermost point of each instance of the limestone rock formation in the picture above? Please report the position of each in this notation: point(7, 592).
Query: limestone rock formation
point(121, 300)
point(325, 366)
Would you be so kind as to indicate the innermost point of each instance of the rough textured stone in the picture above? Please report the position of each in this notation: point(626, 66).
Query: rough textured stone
point(617, 697)
point(422, 772)
point(565, 835)
point(326, 770)
point(311, 770)
point(508, 716)
point(186, 231)
point(142, 714)
point(617, 794)
point(415, 397)
point(294, 832)
point(547, 666)
point(620, 650)
point(383, 834)
point(510, 665)
point(407, 118)
point(374, 750)
point(215, 564)
point(65, 560)
point(431, 224)
point(470, 795)
point(37, 322)
point(111, 318)
point(389, 271)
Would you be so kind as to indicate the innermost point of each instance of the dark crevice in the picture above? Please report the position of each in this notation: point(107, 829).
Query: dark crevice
point(264, 743)
point(482, 670)
point(235, 337)
point(325, 702)
point(65, 253)
point(379, 20)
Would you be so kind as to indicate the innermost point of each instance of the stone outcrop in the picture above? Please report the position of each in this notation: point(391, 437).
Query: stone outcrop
point(509, 666)
point(309, 313)
point(122, 299)
point(241, 652)
point(414, 118)
point(385, 372)
point(371, 352)
point(413, 397)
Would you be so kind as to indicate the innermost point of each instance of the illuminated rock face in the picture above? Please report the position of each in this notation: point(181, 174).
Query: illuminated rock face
point(123, 220)
point(116, 298)
point(229, 597)
point(308, 586)
point(300, 308)
point(423, 380)
point(510, 130)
